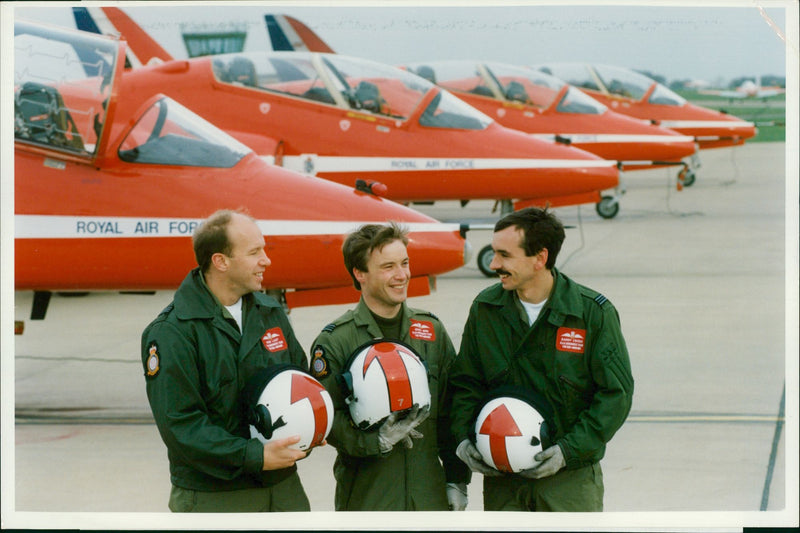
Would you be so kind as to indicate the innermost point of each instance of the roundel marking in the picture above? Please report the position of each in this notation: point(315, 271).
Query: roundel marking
point(398, 382)
point(305, 387)
point(498, 425)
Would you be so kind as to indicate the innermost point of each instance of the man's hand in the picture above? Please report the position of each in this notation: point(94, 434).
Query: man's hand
point(393, 430)
point(471, 457)
point(457, 496)
point(551, 461)
point(279, 453)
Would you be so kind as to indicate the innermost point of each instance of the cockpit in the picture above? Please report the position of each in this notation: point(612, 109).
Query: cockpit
point(348, 83)
point(613, 80)
point(508, 83)
point(62, 81)
point(169, 134)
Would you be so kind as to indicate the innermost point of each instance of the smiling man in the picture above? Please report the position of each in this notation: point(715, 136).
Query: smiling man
point(396, 466)
point(199, 355)
point(539, 332)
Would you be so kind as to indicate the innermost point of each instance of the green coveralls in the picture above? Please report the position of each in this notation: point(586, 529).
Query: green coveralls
point(575, 355)
point(196, 364)
point(405, 479)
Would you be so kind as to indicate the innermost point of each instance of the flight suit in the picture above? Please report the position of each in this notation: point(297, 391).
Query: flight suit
point(196, 365)
point(574, 355)
point(404, 479)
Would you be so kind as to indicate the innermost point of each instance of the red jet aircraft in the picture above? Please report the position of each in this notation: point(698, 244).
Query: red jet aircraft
point(109, 187)
point(345, 119)
point(534, 102)
point(638, 96)
point(529, 101)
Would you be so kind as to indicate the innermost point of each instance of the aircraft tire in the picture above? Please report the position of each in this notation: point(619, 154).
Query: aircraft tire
point(607, 207)
point(484, 260)
point(689, 178)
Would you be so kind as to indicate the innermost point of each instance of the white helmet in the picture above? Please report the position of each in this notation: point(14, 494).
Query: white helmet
point(382, 377)
point(284, 401)
point(510, 431)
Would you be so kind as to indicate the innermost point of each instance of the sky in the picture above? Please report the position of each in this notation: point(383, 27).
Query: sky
point(707, 40)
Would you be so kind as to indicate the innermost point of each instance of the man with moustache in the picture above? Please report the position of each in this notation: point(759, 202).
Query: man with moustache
point(540, 331)
point(198, 357)
point(395, 467)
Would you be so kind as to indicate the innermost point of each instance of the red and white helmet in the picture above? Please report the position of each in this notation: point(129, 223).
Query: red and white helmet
point(509, 432)
point(290, 402)
point(382, 377)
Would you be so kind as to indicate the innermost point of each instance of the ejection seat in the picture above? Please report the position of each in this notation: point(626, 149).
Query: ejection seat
point(368, 97)
point(41, 116)
point(243, 71)
point(427, 72)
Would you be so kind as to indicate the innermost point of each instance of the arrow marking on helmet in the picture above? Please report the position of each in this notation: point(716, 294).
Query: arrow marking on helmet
point(305, 387)
point(499, 425)
point(397, 379)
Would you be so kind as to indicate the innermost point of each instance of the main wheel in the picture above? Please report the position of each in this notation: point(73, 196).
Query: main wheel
point(607, 207)
point(484, 260)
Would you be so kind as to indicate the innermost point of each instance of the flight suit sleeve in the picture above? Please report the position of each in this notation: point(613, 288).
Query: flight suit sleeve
point(180, 412)
point(454, 469)
point(613, 396)
point(465, 383)
point(329, 354)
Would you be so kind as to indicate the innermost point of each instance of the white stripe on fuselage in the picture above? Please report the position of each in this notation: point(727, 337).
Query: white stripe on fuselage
point(591, 138)
point(315, 164)
point(80, 227)
point(692, 124)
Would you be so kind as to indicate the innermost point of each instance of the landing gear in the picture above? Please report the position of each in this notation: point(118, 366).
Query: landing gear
point(607, 207)
point(484, 260)
point(686, 177)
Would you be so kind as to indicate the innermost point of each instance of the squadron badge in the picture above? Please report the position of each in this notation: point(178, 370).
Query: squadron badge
point(319, 366)
point(153, 362)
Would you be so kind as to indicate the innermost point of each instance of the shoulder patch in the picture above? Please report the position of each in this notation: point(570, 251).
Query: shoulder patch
point(329, 328)
point(600, 299)
point(319, 365)
point(153, 362)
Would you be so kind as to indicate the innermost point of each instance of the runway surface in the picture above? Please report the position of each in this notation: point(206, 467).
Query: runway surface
point(698, 277)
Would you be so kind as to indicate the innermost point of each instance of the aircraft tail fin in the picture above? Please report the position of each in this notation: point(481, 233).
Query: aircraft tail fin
point(142, 48)
point(289, 34)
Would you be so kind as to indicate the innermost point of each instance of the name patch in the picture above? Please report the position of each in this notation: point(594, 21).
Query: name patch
point(422, 330)
point(273, 340)
point(571, 340)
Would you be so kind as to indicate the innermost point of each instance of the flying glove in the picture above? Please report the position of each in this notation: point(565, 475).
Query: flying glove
point(457, 496)
point(471, 457)
point(551, 461)
point(393, 430)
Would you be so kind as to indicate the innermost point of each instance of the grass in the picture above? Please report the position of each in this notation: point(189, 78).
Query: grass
point(769, 114)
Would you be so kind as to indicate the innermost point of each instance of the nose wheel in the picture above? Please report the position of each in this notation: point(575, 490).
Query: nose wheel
point(484, 260)
point(686, 177)
point(607, 207)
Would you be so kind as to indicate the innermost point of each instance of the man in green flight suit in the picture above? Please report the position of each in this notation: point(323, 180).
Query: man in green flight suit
point(396, 466)
point(539, 330)
point(198, 357)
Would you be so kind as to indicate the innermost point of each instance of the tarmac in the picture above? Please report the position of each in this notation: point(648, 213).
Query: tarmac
point(704, 279)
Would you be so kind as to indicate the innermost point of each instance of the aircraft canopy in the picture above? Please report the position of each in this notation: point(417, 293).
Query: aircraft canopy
point(349, 83)
point(508, 83)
